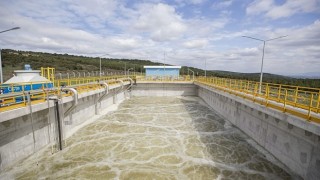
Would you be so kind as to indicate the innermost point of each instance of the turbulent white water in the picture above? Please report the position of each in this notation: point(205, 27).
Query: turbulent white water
point(154, 138)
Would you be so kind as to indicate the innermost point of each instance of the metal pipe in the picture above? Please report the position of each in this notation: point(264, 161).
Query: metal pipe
point(131, 83)
point(121, 85)
point(75, 99)
point(49, 121)
point(31, 116)
point(100, 99)
point(116, 92)
point(129, 72)
point(59, 124)
point(106, 91)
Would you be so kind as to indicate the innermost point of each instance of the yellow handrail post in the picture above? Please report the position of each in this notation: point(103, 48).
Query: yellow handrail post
point(267, 86)
point(255, 89)
point(24, 98)
point(285, 100)
point(279, 93)
point(310, 107)
point(296, 96)
point(242, 85)
point(48, 74)
point(318, 103)
point(268, 94)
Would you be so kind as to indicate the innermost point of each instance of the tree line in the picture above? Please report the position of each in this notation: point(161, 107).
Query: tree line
point(15, 60)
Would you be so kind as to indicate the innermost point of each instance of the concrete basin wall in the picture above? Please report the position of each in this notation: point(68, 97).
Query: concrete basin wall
point(16, 130)
point(292, 140)
point(164, 89)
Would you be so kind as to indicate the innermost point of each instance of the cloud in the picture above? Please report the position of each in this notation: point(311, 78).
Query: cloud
point(258, 7)
point(160, 21)
point(222, 4)
point(147, 29)
point(197, 43)
point(295, 53)
point(196, 1)
point(193, 2)
point(271, 10)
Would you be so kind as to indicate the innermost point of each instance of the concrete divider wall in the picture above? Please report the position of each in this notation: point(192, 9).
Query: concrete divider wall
point(295, 142)
point(164, 89)
point(16, 129)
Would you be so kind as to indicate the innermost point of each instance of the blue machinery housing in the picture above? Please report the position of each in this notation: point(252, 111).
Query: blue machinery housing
point(168, 71)
point(25, 87)
point(9, 88)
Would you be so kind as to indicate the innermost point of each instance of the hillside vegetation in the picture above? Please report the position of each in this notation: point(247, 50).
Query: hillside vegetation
point(15, 60)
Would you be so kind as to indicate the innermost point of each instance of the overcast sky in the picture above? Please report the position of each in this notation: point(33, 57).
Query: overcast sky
point(187, 31)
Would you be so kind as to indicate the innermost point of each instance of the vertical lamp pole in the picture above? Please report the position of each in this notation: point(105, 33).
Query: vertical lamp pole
point(205, 68)
point(192, 73)
point(100, 64)
point(264, 44)
point(1, 79)
point(164, 63)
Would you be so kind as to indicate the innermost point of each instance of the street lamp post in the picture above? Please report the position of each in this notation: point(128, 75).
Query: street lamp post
point(264, 44)
point(192, 73)
point(205, 67)
point(1, 79)
point(164, 63)
point(100, 64)
point(15, 28)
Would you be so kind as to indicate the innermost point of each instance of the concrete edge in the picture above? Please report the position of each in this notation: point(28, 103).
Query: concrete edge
point(14, 113)
point(291, 119)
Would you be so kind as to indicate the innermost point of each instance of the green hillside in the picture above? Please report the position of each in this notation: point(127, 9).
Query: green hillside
point(15, 60)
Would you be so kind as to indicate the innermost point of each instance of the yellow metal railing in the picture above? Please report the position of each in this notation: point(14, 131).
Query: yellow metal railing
point(277, 96)
point(29, 86)
point(17, 96)
point(163, 78)
point(48, 73)
point(18, 99)
point(285, 98)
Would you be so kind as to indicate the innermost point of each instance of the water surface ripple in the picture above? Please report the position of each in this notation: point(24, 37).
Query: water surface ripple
point(154, 138)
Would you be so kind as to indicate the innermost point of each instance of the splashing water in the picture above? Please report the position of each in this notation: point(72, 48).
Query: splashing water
point(154, 138)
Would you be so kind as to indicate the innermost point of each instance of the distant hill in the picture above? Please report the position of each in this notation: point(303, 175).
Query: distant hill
point(310, 75)
point(15, 60)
